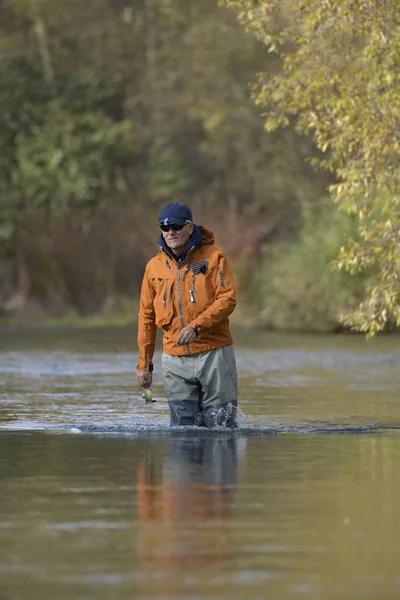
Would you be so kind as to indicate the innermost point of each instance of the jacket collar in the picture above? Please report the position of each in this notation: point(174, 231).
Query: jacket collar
point(195, 240)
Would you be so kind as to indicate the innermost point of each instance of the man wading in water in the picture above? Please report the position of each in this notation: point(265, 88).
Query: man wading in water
point(188, 291)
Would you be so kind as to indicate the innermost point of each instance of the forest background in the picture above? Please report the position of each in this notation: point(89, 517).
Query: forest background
point(110, 109)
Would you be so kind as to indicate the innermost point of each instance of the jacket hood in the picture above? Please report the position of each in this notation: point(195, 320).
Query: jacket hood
point(207, 234)
point(200, 235)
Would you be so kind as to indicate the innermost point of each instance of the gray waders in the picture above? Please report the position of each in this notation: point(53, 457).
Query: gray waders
point(202, 388)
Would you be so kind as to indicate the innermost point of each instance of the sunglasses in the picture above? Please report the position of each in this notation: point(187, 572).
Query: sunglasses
point(172, 226)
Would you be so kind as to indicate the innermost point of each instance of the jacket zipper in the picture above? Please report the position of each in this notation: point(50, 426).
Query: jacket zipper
point(179, 291)
point(169, 266)
point(179, 298)
point(165, 294)
point(180, 306)
point(221, 277)
point(179, 294)
point(187, 269)
point(191, 291)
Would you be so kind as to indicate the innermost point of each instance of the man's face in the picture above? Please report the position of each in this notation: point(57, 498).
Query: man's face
point(177, 240)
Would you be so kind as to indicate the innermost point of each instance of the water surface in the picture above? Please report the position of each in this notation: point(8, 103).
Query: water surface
point(101, 499)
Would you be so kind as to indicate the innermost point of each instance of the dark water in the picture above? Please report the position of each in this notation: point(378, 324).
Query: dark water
point(100, 499)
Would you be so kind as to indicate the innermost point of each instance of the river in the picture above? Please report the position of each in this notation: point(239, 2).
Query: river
point(101, 499)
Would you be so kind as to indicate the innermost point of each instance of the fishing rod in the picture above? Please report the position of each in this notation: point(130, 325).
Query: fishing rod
point(146, 394)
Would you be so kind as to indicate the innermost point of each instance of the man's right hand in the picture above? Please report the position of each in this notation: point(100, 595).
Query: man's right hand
point(145, 378)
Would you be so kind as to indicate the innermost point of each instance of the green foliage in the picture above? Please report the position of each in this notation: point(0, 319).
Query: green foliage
point(167, 170)
point(295, 285)
point(56, 156)
point(63, 164)
point(107, 111)
point(340, 81)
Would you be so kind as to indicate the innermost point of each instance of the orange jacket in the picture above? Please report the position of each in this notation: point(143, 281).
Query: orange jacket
point(200, 291)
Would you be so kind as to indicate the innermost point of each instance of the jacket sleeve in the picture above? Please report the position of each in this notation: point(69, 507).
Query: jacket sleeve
point(146, 324)
point(225, 297)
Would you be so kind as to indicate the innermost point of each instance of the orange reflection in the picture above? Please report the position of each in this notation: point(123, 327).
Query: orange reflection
point(184, 507)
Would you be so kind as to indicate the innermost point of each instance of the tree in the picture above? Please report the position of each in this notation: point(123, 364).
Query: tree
point(110, 108)
point(339, 80)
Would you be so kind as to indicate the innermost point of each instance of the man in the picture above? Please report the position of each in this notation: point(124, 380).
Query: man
point(188, 291)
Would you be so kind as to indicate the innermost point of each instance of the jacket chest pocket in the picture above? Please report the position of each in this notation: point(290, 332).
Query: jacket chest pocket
point(199, 294)
point(198, 270)
point(163, 301)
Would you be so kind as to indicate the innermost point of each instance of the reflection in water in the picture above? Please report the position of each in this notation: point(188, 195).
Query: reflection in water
point(189, 516)
point(134, 510)
point(184, 507)
point(197, 480)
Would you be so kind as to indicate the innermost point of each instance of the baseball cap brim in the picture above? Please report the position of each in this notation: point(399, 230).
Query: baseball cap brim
point(173, 221)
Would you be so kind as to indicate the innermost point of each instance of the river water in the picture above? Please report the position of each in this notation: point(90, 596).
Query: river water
point(101, 499)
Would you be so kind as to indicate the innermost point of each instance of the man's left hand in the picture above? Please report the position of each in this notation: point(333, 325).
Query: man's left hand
point(186, 336)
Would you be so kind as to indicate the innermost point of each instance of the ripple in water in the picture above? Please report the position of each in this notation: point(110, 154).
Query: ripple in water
point(244, 428)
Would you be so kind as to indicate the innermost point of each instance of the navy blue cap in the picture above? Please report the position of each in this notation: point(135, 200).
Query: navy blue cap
point(176, 212)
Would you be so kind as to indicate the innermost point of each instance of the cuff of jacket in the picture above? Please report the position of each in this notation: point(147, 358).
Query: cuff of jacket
point(142, 366)
point(196, 326)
